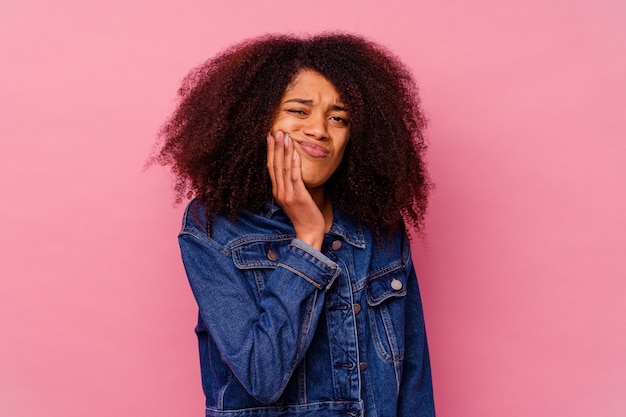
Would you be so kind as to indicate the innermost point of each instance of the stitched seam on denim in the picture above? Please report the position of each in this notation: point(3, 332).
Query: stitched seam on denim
point(259, 280)
point(408, 266)
point(313, 255)
point(306, 328)
point(318, 286)
point(359, 285)
point(333, 278)
point(384, 271)
point(204, 240)
point(184, 222)
point(378, 344)
point(259, 238)
point(320, 405)
point(396, 355)
point(222, 392)
point(397, 367)
point(355, 332)
point(302, 388)
point(358, 242)
point(380, 298)
point(241, 264)
point(339, 346)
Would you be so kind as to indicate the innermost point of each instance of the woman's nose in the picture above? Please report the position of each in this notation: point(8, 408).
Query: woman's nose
point(315, 127)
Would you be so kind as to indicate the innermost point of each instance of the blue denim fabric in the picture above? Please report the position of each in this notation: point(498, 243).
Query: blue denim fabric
point(286, 330)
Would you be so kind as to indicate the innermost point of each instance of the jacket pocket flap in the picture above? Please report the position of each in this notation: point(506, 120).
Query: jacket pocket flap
point(255, 255)
point(391, 284)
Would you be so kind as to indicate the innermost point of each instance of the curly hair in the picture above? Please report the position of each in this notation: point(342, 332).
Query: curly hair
point(215, 141)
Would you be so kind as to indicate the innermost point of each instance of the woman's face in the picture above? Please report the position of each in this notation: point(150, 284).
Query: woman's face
point(313, 115)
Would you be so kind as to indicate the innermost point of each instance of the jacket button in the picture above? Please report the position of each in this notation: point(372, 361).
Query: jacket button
point(357, 308)
point(336, 245)
point(362, 366)
point(396, 284)
point(273, 256)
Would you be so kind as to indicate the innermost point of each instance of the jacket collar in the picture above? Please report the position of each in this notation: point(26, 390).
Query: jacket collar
point(350, 231)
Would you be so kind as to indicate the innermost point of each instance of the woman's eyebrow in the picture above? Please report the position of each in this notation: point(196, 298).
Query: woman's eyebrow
point(300, 100)
point(309, 102)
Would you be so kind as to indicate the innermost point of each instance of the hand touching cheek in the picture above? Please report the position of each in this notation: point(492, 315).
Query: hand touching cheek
point(285, 168)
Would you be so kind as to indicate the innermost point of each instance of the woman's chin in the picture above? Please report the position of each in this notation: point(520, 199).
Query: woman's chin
point(312, 183)
point(312, 176)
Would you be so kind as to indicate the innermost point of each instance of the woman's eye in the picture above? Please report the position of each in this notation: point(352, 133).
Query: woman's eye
point(296, 112)
point(339, 120)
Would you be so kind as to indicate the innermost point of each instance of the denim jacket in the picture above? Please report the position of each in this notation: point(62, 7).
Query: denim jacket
point(286, 330)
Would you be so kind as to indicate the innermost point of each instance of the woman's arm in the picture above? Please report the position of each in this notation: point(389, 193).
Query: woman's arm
point(261, 340)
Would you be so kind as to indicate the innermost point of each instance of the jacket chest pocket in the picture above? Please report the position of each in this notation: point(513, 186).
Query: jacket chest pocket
point(386, 294)
point(256, 260)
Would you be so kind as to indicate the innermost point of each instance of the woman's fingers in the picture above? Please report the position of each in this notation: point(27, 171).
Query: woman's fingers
point(281, 157)
point(271, 143)
point(287, 168)
point(296, 169)
point(278, 160)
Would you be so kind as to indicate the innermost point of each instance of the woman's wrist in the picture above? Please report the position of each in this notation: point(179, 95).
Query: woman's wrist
point(312, 239)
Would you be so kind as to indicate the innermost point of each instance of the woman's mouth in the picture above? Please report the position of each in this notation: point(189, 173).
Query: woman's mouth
point(313, 150)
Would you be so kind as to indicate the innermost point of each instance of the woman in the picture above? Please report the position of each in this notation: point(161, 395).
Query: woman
point(305, 160)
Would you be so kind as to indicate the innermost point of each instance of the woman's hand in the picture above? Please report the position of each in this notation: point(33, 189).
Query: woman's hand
point(284, 165)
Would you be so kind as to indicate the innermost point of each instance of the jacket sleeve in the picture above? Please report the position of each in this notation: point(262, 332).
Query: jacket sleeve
point(416, 391)
point(261, 340)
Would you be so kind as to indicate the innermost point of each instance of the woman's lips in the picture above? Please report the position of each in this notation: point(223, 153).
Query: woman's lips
point(313, 150)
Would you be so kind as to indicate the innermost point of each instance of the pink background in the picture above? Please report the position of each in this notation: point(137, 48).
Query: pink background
point(523, 267)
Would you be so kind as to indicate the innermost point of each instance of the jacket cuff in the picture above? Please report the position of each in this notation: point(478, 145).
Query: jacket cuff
point(310, 264)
